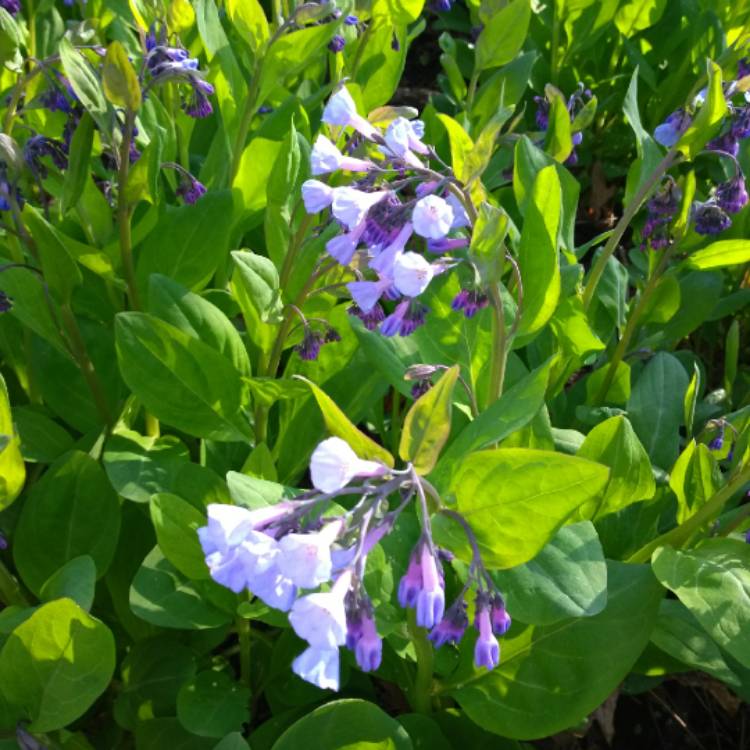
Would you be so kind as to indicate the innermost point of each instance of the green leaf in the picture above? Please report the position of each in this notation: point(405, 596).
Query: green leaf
point(85, 83)
point(461, 146)
point(233, 741)
point(71, 511)
point(12, 467)
point(250, 20)
point(188, 243)
point(179, 379)
point(570, 667)
point(428, 424)
point(515, 499)
point(615, 444)
point(260, 279)
point(537, 252)
point(513, 410)
point(568, 578)
point(192, 314)
point(691, 399)
point(119, 80)
point(75, 580)
point(212, 704)
point(720, 254)
point(707, 122)
point(713, 582)
point(176, 522)
point(655, 408)
point(160, 595)
point(558, 142)
point(572, 329)
point(61, 273)
point(503, 35)
point(267, 391)
point(636, 15)
point(42, 439)
point(619, 390)
point(338, 424)
point(694, 478)
point(487, 247)
point(680, 635)
point(56, 664)
point(348, 723)
point(79, 166)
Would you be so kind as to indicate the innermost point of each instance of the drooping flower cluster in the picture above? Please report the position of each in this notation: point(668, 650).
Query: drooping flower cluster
point(394, 211)
point(712, 216)
point(278, 552)
point(661, 209)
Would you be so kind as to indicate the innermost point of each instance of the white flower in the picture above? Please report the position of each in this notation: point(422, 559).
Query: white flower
point(316, 195)
point(342, 111)
point(320, 618)
point(403, 137)
point(411, 274)
point(306, 558)
point(325, 157)
point(318, 666)
point(432, 217)
point(334, 464)
point(460, 219)
point(350, 206)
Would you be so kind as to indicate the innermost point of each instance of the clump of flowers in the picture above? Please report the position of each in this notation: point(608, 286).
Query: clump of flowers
point(401, 221)
point(278, 552)
point(576, 102)
point(661, 208)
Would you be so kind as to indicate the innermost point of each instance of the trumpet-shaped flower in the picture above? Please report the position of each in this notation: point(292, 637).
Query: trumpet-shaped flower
point(350, 206)
point(412, 274)
point(306, 558)
point(318, 666)
point(342, 111)
point(334, 464)
point(320, 618)
point(316, 195)
point(432, 217)
point(325, 158)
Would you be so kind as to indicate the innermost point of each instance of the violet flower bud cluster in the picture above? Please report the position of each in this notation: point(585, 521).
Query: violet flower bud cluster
point(711, 216)
point(173, 63)
point(661, 209)
point(283, 554)
point(390, 214)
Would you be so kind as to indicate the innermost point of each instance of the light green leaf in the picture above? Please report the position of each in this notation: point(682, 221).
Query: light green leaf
point(615, 444)
point(707, 122)
point(428, 424)
point(56, 664)
point(515, 499)
point(250, 20)
point(636, 15)
point(260, 278)
point(720, 254)
point(537, 252)
point(338, 424)
point(119, 80)
point(487, 247)
point(713, 582)
point(179, 379)
point(558, 142)
point(694, 478)
point(569, 667)
point(503, 35)
point(568, 578)
point(348, 723)
point(12, 467)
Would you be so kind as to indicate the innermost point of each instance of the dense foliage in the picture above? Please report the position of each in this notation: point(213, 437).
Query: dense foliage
point(476, 274)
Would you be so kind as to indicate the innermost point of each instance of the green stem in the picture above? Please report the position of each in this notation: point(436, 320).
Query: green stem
point(248, 112)
point(679, 536)
point(499, 356)
point(81, 355)
point(245, 637)
point(395, 420)
point(31, 47)
point(473, 81)
point(622, 225)
point(123, 212)
point(10, 589)
point(555, 44)
point(631, 325)
point(421, 698)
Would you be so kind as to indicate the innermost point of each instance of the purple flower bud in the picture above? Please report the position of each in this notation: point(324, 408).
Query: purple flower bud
point(309, 348)
point(741, 123)
point(717, 443)
point(12, 6)
point(422, 586)
point(452, 627)
point(670, 131)
point(732, 195)
point(447, 244)
point(371, 319)
point(486, 649)
point(542, 112)
point(441, 6)
point(743, 67)
point(499, 616)
point(3, 539)
point(337, 43)
point(710, 218)
point(331, 335)
point(198, 106)
point(351, 21)
point(6, 303)
point(405, 319)
point(470, 301)
point(362, 636)
point(410, 584)
point(191, 190)
point(420, 388)
point(726, 143)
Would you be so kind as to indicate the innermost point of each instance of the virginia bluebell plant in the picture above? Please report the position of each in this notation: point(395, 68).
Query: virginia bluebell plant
point(278, 552)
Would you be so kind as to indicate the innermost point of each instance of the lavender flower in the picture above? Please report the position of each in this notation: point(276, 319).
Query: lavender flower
point(337, 43)
point(671, 130)
point(470, 301)
point(371, 318)
point(320, 618)
point(661, 208)
point(305, 559)
point(334, 464)
point(326, 158)
point(316, 196)
point(309, 348)
point(432, 217)
point(318, 666)
point(421, 588)
point(726, 144)
point(341, 111)
point(191, 190)
point(486, 649)
point(405, 319)
point(452, 627)
point(499, 617)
